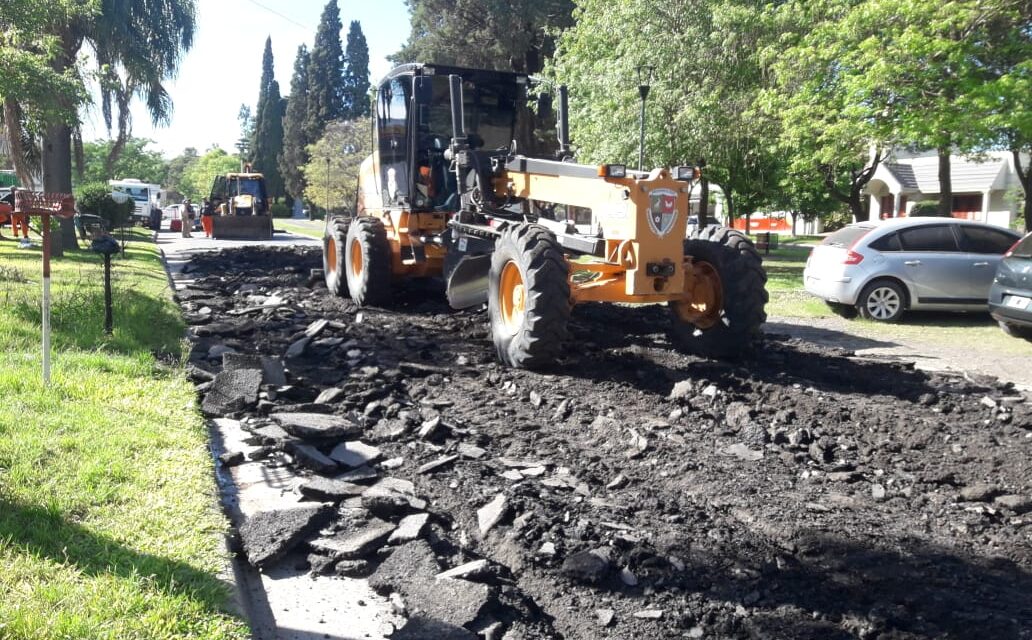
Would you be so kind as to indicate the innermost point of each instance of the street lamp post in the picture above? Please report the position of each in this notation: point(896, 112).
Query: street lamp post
point(645, 72)
point(327, 187)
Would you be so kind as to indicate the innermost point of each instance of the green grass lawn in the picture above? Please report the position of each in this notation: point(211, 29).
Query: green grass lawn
point(299, 229)
point(109, 525)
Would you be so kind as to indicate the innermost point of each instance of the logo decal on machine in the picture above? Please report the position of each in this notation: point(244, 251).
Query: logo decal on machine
point(662, 211)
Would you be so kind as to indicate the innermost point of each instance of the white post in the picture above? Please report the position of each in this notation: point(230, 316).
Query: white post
point(897, 199)
point(985, 206)
point(46, 331)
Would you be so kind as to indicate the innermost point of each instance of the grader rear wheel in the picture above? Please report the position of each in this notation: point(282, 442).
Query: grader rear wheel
point(334, 237)
point(528, 297)
point(721, 313)
point(367, 262)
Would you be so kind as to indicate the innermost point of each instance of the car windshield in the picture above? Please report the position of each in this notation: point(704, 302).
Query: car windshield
point(1024, 248)
point(846, 236)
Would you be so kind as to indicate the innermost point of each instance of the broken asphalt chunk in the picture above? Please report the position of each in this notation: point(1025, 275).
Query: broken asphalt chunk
point(232, 391)
point(330, 489)
point(411, 571)
point(269, 535)
point(492, 513)
point(316, 425)
point(309, 457)
point(410, 528)
point(355, 453)
point(355, 543)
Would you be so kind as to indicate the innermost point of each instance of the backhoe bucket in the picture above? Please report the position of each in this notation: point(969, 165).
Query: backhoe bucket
point(242, 227)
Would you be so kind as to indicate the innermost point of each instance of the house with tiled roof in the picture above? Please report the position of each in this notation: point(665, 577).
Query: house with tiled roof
point(985, 188)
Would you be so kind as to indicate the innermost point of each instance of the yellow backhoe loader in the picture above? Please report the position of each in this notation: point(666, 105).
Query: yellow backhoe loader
point(447, 193)
point(241, 207)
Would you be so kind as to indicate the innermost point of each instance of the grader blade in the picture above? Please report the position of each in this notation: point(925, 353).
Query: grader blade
point(467, 283)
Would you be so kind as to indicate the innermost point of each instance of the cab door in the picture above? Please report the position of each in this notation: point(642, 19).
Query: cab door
point(393, 134)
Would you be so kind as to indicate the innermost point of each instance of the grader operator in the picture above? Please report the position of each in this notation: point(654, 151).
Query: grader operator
point(530, 236)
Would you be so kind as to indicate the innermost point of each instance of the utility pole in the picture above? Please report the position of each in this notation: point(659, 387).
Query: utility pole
point(645, 72)
point(327, 186)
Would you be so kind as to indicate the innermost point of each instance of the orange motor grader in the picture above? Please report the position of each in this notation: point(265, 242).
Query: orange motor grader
point(446, 193)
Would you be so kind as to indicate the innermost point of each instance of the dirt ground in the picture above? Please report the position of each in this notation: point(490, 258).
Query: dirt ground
point(800, 493)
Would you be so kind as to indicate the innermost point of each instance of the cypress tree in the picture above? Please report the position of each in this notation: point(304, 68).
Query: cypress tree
point(356, 73)
point(268, 127)
point(294, 154)
point(325, 74)
point(263, 93)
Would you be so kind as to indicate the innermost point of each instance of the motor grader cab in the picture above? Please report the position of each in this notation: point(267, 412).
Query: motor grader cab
point(240, 206)
point(446, 192)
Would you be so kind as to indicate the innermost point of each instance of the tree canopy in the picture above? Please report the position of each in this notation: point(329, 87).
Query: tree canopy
point(268, 127)
point(294, 154)
point(198, 176)
point(135, 161)
point(345, 144)
point(516, 35)
point(356, 73)
point(325, 100)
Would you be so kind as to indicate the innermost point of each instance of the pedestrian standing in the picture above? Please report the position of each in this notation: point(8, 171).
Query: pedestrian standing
point(206, 217)
point(184, 215)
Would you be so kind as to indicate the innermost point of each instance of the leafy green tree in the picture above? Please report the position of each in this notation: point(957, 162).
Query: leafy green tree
point(34, 91)
point(176, 167)
point(294, 154)
point(95, 198)
point(135, 161)
point(331, 175)
point(199, 175)
point(516, 35)
point(325, 74)
point(246, 121)
point(267, 140)
point(707, 76)
point(356, 73)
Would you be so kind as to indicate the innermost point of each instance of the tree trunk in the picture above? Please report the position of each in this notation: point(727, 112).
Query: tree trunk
point(1025, 178)
point(857, 208)
point(57, 173)
point(945, 183)
point(703, 202)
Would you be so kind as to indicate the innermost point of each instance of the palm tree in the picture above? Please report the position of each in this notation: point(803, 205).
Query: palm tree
point(137, 45)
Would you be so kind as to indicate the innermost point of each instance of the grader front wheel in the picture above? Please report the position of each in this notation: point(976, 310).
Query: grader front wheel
point(528, 297)
point(723, 307)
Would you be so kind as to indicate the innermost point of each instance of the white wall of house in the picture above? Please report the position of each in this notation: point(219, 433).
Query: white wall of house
point(981, 185)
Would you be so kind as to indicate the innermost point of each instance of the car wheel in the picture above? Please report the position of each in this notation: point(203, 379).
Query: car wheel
point(1015, 331)
point(882, 300)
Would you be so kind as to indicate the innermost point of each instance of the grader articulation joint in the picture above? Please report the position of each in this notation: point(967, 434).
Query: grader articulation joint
point(530, 236)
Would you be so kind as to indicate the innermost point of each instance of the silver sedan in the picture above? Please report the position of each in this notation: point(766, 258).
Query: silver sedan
point(881, 269)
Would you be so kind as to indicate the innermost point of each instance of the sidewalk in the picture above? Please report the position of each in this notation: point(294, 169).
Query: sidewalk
point(286, 603)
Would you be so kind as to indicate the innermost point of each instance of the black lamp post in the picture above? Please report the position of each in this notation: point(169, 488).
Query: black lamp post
point(106, 246)
point(645, 72)
point(327, 187)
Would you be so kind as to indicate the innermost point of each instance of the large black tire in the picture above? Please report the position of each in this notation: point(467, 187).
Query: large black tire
point(743, 292)
point(334, 242)
point(367, 262)
point(528, 297)
point(882, 301)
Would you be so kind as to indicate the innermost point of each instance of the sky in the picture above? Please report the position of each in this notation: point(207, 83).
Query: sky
point(224, 67)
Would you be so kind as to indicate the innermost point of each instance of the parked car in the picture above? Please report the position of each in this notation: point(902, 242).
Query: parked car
point(881, 269)
point(1010, 297)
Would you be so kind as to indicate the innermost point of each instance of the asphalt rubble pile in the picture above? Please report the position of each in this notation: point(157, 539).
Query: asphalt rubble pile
point(631, 491)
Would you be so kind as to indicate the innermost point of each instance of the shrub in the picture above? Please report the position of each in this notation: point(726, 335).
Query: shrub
point(94, 198)
point(927, 209)
point(279, 210)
